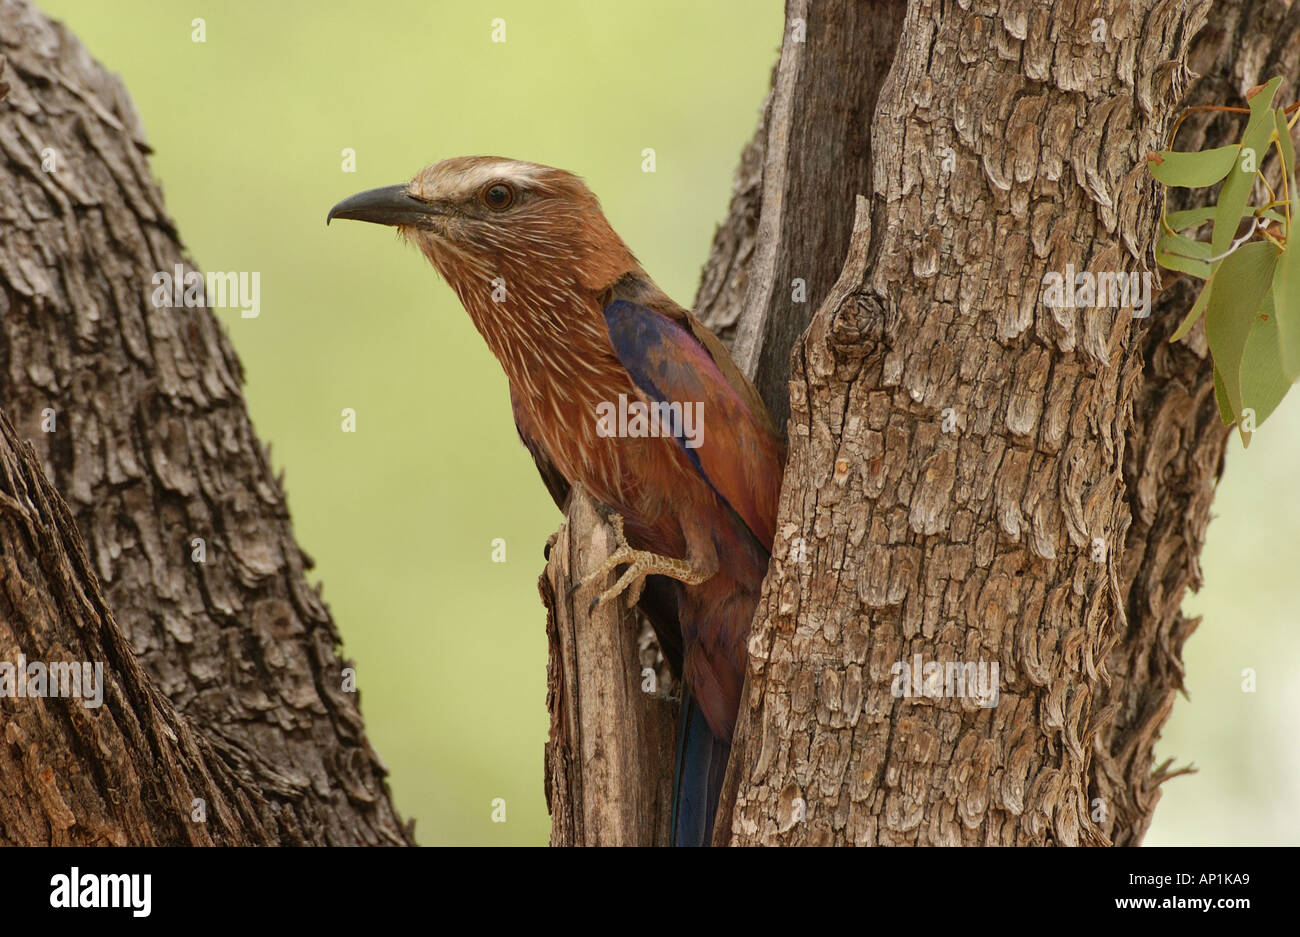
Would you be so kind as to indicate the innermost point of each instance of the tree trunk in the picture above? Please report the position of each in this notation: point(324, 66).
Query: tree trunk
point(974, 477)
point(138, 419)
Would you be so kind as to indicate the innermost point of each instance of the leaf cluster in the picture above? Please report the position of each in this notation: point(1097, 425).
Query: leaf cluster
point(1249, 263)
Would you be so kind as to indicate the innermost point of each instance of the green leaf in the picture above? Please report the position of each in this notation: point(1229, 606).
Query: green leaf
point(1263, 383)
point(1241, 282)
point(1286, 300)
point(1184, 254)
point(1221, 398)
point(1195, 217)
point(1197, 308)
point(1191, 218)
point(1194, 170)
point(1235, 193)
point(1184, 246)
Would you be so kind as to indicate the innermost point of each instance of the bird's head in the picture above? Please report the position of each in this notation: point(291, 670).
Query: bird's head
point(485, 220)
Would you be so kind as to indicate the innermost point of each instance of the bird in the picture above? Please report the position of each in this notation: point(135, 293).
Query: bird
point(603, 370)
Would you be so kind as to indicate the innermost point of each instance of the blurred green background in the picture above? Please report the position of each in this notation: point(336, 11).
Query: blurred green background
point(249, 129)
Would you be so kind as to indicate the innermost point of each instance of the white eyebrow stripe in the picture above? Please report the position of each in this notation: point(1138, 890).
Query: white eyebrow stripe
point(474, 177)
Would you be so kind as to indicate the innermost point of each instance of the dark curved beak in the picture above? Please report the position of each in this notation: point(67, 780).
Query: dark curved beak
point(391, 205)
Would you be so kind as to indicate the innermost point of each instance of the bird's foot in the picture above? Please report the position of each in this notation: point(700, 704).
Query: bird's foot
point(639, 563)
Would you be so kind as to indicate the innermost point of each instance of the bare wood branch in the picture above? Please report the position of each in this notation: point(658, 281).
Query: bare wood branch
point(610, 752)
point(813, 145)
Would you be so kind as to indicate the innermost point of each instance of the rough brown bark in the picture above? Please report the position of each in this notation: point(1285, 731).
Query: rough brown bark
point(117, 765)
point(138, 419)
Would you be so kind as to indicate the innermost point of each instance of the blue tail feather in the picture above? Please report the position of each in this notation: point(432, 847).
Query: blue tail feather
point(697, 782)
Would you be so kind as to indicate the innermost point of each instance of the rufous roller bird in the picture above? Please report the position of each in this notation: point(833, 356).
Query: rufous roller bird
point(582, 332)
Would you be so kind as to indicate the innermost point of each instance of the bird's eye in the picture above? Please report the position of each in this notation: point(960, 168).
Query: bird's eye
point(498, 196)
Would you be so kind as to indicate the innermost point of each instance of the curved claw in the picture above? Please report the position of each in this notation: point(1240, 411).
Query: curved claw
point(640, 564)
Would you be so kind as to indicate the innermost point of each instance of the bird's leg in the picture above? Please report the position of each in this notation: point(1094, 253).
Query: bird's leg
point(641, 563)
